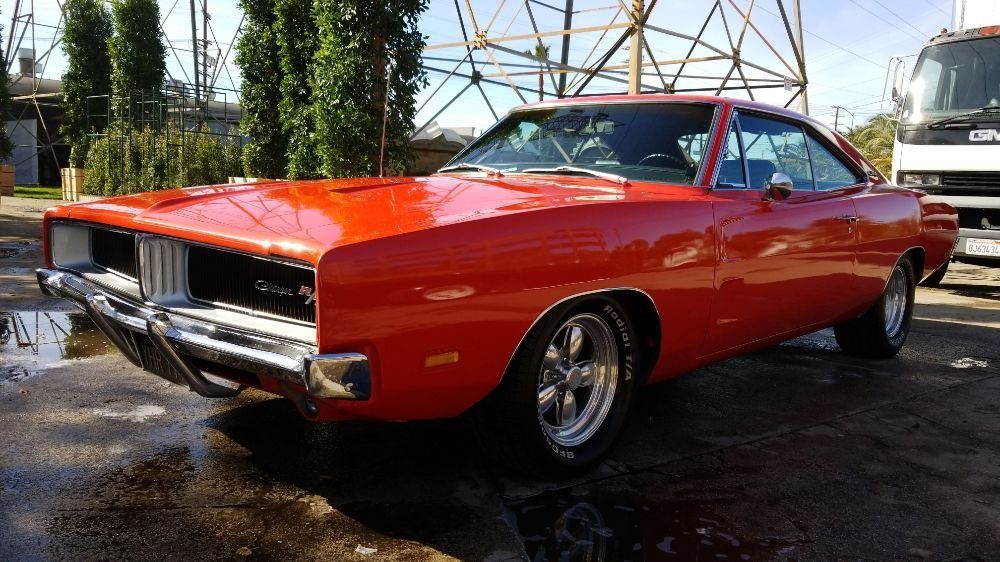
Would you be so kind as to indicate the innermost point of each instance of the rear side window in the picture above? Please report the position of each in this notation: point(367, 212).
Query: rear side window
point(775, 146)
point(830, 172)
point(731, 173)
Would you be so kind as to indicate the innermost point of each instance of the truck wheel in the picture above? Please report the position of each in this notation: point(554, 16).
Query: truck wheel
point(935, 278)
point(881, 331)
point(566, 394)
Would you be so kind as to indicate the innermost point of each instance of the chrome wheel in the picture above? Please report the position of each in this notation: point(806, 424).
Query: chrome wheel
point(577, 381)
point(895, 303)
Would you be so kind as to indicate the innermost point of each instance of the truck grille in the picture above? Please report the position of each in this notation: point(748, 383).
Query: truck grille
point(979, 182)
point(114, 251)
point(251, 284)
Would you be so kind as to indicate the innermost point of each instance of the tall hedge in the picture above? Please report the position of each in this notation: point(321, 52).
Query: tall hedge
point(264, 154)
point(138, 57)
point(88, 73)
point(6, 146)
point(356, 40)
point(296, 38)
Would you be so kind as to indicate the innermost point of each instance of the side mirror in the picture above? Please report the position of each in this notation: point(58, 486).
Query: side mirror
point(778, 188)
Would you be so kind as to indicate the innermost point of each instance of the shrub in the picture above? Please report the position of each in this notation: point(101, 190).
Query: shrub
point(296, 37)
point(138, 57)
point(348, 83)
point(136, 161)
point(6, 146)
point(257, 56)
point(88, 73)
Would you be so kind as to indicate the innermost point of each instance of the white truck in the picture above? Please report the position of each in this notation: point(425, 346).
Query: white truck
point(948, 137)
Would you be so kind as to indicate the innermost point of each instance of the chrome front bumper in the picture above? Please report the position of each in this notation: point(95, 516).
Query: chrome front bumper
point(178, 339)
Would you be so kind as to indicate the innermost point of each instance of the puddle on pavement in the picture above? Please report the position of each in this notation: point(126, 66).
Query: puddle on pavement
point(32, 341)
point(566, 526)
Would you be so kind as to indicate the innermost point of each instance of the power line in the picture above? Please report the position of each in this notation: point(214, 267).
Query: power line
point(897, 16)
point(827, 41)
point(887, 22)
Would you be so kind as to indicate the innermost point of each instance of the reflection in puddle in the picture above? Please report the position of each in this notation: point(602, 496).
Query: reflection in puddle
point(569, 527)
point(33, 341)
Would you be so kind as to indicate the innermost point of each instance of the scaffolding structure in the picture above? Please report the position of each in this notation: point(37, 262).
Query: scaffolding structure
point(485, 56)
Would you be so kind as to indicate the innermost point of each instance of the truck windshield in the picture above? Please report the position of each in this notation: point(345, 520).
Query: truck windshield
point(644, 141)
point(954, 78)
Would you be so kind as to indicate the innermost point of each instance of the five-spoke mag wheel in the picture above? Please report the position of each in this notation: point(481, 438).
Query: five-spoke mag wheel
point(577, 379)
point(565, 396)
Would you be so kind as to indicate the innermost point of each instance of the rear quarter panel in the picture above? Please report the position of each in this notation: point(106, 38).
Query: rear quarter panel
point(894, 220)
point(477, 287)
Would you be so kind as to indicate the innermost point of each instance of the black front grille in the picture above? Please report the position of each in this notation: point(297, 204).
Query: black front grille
point(978, 182)
point(114, 251)
point(250, 283)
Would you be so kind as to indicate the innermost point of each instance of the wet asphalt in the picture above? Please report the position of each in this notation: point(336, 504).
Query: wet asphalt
point(795, 452)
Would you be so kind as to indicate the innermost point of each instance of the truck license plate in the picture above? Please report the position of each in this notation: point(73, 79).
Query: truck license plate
point(982, 247)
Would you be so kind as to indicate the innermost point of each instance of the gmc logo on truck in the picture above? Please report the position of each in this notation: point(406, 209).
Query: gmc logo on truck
point(984, 135)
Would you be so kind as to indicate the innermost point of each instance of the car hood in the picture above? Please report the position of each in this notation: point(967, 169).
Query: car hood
point(304, 219)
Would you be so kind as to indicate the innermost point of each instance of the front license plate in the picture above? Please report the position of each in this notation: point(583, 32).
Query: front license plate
point(982, 247)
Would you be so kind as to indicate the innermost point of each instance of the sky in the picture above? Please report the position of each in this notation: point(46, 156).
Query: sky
point(848, 45)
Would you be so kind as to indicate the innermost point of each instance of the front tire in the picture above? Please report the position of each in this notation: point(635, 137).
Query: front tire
point(881, 331)
point(565, 397)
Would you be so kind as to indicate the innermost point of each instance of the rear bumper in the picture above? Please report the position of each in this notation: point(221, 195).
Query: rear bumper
point(961, 246)
point(180, 341)
point(973, 203)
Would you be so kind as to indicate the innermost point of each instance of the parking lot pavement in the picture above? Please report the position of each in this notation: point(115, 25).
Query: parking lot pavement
point(795, 452)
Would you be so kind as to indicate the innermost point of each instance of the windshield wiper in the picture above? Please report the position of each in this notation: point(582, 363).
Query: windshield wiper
point(988, 110)
point(621, 180)
point(490, 171)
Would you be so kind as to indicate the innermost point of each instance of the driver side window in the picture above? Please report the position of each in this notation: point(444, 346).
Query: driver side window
point(775, 146)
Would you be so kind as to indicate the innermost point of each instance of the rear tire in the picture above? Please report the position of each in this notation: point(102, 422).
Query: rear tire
point(881, 331)
point(935, 278)
point(565, 397)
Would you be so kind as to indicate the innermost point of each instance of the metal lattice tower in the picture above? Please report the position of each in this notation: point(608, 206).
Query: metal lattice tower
point(713, 61)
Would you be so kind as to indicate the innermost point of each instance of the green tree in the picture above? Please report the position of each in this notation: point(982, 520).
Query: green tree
point(88, 73)
point(138, 57)
point(264, 154)
point(296, 36)
point(541, 51)
point(361, 43)
point(874, 139)
point(6, 146)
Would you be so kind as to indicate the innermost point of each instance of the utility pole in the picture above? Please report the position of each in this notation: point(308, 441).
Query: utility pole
point(564, 56)
point(204, 46)
point(635, 49)
point(836, 116)
point(802, 55)
point(194, 51)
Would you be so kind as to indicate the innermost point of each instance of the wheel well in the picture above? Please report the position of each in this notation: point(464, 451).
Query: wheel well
point(643, 313)
point(916, 257)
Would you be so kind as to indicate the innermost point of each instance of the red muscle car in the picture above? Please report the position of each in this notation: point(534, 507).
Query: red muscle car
point(575, 251)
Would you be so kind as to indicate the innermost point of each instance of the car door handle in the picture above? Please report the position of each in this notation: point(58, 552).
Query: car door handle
point(850, 219)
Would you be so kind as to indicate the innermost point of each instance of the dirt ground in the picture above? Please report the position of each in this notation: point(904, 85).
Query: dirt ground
point(795, 452)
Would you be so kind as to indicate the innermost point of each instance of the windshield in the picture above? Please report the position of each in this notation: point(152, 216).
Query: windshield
point(953, 78)
point(644, 141)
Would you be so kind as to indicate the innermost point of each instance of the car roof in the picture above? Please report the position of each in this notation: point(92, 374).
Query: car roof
point(652, 98)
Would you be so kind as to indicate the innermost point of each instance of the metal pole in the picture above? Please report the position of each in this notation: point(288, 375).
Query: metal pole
point(802, 54)
point(204, 46)
point(635, 49)
point(836, 117)
point(564, 56)
point(194, 51)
